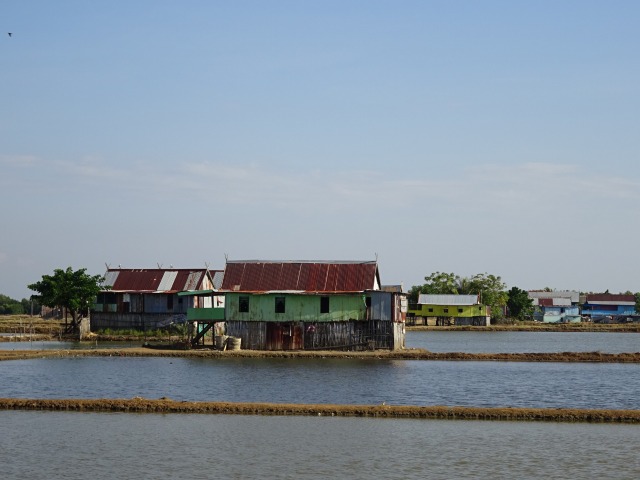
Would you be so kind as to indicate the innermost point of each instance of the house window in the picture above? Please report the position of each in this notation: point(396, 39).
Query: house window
point(169, 302)
point(280, 305)
point(446, 310)
point(431, 310)
point(368, 301)
point(459, 310)
point(243, 304)
point(324, 304)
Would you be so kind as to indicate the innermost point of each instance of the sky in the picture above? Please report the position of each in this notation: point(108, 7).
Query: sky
point(498, 137)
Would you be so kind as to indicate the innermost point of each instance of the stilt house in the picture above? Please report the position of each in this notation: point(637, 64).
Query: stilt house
point(449, 310)
point(295, 305)
point(145, 299)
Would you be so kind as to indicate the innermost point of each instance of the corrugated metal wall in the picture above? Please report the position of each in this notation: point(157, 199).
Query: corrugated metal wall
point(134, 321)
point(350, 336)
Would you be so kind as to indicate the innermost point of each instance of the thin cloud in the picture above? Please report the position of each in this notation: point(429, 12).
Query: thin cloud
point(487, 187)
point(23, 161)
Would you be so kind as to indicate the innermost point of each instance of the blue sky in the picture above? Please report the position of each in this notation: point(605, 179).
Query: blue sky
point(458, 136)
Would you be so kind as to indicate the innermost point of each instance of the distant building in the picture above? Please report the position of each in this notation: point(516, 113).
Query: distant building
point(560, 306)
point(449, 310)
point(148, 298)
point(608, 306)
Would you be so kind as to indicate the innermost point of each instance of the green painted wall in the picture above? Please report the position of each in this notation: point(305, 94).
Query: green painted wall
point(298, 308)
point(453, 311)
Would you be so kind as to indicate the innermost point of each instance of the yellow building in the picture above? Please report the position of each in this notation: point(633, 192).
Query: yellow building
point(448, 310)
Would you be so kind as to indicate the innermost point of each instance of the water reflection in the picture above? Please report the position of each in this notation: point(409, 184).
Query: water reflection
point(105, 446)
point(370, 382)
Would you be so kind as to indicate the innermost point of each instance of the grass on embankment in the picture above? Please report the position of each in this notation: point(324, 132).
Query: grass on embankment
point(165, 405)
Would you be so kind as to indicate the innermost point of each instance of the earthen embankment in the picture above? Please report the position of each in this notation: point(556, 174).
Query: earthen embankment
point(166, 405)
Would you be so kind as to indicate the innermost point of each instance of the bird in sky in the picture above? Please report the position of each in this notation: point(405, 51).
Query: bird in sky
point(9, 33)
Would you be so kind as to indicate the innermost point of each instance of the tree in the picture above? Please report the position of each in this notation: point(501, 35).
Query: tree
point(491, 290)
point(9, 306)
point(519, 304)
point(637, 295)
point(72, 290)
point(436, 284)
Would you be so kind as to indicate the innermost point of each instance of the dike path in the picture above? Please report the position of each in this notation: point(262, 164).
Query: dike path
point(406, 354)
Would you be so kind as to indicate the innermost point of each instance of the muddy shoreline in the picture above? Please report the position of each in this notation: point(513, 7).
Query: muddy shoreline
point(165, 405)
point(409, 354)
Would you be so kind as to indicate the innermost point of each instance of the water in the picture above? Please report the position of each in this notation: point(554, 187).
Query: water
point(106, 446)
point(523, 342)
point(64, 345)
point(342, 381)
point(443, 341)
point(44, 445)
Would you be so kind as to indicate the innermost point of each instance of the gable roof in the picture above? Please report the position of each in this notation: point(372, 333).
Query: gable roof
point(157, 280)
point(571, 294)
point(552, 302)
point(610, 299)
point(300, 276)
point(427, 299)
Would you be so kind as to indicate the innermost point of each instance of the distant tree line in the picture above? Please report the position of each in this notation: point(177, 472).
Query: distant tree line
point(491, 291)
point(10, 306)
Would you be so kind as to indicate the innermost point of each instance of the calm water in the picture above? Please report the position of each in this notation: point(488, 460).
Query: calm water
point(399, 382)
point(57, 345)
point(49, 445)
point(45, 445)
point(521, 342)
point(444, 341)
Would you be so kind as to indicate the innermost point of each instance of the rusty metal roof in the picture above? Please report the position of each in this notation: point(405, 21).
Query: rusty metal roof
point(156, 280)
point(610, 299)
point(301, 276)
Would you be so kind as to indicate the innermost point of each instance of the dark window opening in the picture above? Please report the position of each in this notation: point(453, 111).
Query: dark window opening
point(431, 310)
point(169, 302)
point(280, 305)
point(368, 301)
point(459, 310)
point(324, 304)
point(243, 304)
point(446, 310)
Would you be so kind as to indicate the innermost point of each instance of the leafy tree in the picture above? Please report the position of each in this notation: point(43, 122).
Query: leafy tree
point(436, 284)
point(637, 295)
point(9, 306)
point(72, 290)
point(30, 306)
point(491, 290)
point(519, 304)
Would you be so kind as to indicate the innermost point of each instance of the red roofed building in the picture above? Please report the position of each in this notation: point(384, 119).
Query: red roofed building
point(608, 306)
point(294, 305)
point(140, 298)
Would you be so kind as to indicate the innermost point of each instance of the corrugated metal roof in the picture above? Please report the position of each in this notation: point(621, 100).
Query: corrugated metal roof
point(573, 295)
point(300, 276)
point(605, 302)
point(554, 302)
point(426, 299)
point(611, 299)
point(218, 276)
point(154, 280)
